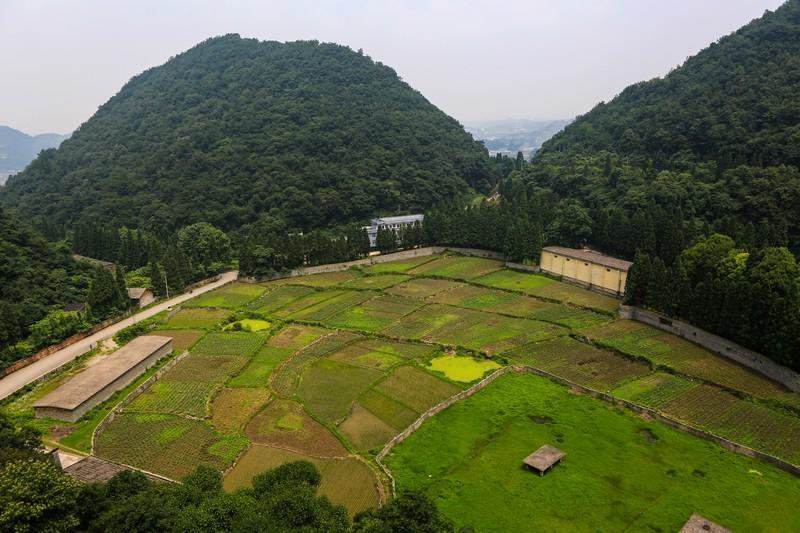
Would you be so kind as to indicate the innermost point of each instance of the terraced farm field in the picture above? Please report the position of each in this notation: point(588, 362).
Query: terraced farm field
point(347, 360)
point(229, 296)
point(640, 340)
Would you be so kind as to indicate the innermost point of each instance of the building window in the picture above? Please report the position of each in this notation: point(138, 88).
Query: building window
point(586, 264)
point(608, 270)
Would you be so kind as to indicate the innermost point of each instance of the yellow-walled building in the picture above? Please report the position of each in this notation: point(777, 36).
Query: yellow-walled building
point(586, 267)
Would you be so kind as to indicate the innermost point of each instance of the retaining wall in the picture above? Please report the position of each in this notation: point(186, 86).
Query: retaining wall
point(744, 356)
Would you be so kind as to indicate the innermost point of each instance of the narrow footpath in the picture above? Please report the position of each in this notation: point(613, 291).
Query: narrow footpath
point(15, 381)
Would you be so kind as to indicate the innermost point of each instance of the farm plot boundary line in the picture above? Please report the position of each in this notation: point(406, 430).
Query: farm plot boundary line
point(525, 369)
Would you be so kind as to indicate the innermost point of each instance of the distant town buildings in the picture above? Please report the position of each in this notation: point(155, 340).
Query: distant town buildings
point(586, 267)
point(392, 223)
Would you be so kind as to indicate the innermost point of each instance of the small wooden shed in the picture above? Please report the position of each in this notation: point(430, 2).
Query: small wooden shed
point(544, 459)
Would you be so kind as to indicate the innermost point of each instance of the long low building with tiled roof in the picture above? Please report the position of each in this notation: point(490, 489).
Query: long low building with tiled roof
point(586, 267)
point(99, 381)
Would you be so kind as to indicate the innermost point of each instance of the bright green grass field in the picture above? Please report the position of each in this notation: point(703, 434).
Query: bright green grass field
point(620, 472)
point(228, 296)
point(463, 369)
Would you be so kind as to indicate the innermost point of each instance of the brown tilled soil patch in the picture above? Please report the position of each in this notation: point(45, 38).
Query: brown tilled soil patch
point(285, 424)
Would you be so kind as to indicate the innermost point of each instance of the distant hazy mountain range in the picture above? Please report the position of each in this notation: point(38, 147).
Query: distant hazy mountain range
point(17, 149)
point(513, 135)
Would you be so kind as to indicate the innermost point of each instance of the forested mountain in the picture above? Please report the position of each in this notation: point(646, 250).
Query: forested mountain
point(716, 141)
point(711, 148)
point(236, 129)
point(17, 149)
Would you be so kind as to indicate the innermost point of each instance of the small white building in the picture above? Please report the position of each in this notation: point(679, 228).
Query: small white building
point(392, 223)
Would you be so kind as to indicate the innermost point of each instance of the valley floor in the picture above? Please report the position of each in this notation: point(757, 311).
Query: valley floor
point(330, 367)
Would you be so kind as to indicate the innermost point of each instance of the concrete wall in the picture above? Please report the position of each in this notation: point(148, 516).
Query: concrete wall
point(585, 273)
point(787, 377)
point(378, 259)
point(106, 392)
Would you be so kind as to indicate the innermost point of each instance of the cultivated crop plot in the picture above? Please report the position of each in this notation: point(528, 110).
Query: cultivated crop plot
point(234, 343)
point(378, 282)
point(468, 460)
point(402, 265)
point(462, 369)
point(285, 424)
point(328, 387)
point(278, 297)
point(328, 279)
point(415, 389)
point(329, 306)
point(580, 362)
point(476, 330)
point(346, 481)
point(381, 354)
point(457, 267)
point(187, 387)
point(548, 288)
point(199, 318)
point(257, 371)
point(519, 305)
point(296, 336)
point(661, 348)
point(228, 296)
point(168, 445)
point(231, 409)
point(656, 390)
point(375, 313)
point(314, 298)
point(365, 430)
point(285, 381)
point(181, 338)
point(422, 288)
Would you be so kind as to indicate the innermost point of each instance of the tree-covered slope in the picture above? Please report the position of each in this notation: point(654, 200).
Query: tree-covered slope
point(736, 102)
point(235, 129)
point(36, 276)
point(714, 145)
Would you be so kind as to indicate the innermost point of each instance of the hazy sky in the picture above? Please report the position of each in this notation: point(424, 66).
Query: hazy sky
point(476, 60)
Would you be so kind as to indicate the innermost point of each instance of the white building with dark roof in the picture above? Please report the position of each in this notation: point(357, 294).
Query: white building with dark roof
point(392, 223)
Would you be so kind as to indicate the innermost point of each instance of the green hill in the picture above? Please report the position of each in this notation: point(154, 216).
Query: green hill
point(657, 173)
point(236, 129)
point(714, 142)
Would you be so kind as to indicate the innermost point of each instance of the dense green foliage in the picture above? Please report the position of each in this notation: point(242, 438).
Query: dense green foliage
point(713, 143)
point(236, 129)
point(750, 298)
point(36, 278)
